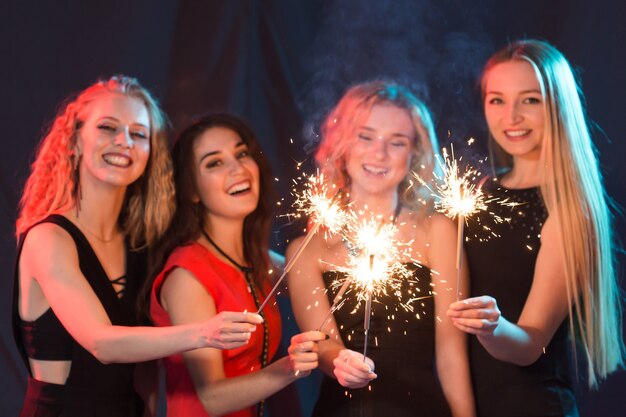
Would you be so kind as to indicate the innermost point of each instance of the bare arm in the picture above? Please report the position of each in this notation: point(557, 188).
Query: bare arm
point(186, 301)
point(51, 277)
point(450, 343)
point(546, 307)
point(311, 306)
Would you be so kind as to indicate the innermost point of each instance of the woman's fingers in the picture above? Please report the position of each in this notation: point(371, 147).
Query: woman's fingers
point(351, 370)
point(303, 351)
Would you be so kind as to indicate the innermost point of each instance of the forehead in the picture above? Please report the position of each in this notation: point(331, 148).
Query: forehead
point(391, 118)
point(511, 76)
point(216, 138)
point(129, 110)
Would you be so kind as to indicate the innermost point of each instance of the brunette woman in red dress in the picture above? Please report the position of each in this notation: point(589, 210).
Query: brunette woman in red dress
point(217, 259)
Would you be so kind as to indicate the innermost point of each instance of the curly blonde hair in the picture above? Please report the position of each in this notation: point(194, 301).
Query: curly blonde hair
point(53, 184)
point(339, 134)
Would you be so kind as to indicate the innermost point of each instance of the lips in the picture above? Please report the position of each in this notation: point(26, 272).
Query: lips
point(117, 160)
point(240, 187)
point(373, 169)
point(517, 133)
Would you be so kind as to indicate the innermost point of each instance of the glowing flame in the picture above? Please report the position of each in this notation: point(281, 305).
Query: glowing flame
point(321, 202)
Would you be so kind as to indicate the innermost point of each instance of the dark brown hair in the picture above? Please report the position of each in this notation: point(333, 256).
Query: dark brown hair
point(186, 226)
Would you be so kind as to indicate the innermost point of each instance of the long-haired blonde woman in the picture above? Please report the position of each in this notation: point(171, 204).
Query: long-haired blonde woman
point(100, 190)
point(554, 257)
point(374, 139)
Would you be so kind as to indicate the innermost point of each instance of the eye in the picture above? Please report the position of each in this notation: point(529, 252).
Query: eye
point(106, 127)
point(213, 163)
point(532, 100)
point(399, 143)
point(243, 154)
point(365, 137)
point(495, 100)
point(139, 135)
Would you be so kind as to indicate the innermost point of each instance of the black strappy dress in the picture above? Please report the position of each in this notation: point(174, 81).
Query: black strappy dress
point(92, 389)
point(402, 345)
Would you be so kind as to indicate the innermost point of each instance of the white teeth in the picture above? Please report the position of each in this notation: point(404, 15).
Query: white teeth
point(237, 188)
point(517, 133)
point(374, 170)
point(117, 160)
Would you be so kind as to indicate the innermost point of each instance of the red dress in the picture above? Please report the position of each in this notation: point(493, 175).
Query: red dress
point(228, 288)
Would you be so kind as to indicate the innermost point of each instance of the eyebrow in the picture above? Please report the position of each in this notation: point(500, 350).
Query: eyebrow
point(369, 129)
point(206, 155)
point(521, 92)
point(117, 120)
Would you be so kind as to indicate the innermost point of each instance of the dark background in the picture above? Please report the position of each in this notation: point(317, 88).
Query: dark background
point(281, 64)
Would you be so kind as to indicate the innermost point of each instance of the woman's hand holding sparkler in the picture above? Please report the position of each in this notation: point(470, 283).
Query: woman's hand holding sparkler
point(229, 330)
point(352, 370)
point(303, 352)
point(477, 315)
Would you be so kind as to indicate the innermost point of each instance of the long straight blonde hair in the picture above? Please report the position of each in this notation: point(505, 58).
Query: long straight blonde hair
point(52, 186)
point(575, 198)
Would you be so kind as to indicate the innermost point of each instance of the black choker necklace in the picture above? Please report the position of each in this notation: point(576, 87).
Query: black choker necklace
point(246, 270)
point(242, 268)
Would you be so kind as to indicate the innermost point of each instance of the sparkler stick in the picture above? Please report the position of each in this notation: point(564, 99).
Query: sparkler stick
point(336, 300)
point(323, 211)
point(291, 263)
point(368, 311)
point(459, 253)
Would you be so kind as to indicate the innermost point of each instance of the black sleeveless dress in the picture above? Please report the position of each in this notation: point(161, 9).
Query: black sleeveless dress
point(401, 344)
point(92, 389)
point(503, 266)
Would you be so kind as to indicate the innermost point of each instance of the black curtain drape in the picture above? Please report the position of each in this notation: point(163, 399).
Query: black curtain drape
point(281, 65)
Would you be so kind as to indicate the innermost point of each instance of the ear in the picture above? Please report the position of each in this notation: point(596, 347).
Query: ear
point(78, 145)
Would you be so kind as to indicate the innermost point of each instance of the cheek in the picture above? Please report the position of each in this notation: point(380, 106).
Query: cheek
point(490, 116)
point(402, 158)
point(143, 148)
point(208, 192)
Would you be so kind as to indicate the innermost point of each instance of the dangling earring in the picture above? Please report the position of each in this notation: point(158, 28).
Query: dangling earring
point(76, 174)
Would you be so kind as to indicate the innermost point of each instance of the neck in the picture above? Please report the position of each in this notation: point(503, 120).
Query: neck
point(374, 205)
point(526, 173)
point(228, 235)
point(98, 210)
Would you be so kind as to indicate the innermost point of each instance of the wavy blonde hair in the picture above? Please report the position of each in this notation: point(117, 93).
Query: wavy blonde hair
point(53, 184)
point(339, 132)
point(575, 197)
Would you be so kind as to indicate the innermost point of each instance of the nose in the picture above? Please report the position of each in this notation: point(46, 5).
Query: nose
point(124, 139)
point(380, 148)
point(513, 113)
point(236, 166)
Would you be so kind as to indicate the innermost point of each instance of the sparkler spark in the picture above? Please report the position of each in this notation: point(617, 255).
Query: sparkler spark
point(374, 257)
point(322, 210)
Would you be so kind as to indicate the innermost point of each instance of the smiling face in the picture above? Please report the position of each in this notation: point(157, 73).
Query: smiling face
point(514, 108)
point(227, 176)
point(114, 140)
point(380, 156)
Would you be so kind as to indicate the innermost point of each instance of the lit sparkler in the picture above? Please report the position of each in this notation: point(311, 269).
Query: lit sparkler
point(321, 210)
point(457, 196)
point(373, 266)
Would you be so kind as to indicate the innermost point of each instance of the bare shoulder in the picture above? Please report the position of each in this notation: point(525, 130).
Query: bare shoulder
point(314, 247)
point(549, 231)
point(47, 242)
point(180, 283)
point(439, 230)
